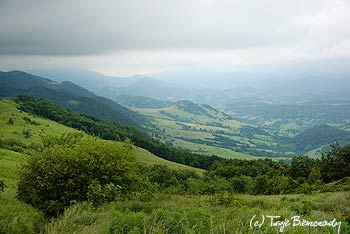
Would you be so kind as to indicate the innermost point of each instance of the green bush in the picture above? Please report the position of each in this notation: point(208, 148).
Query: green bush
point(66, 139)
point(304, 209)
point(2, 185)
point(59, 176)
point(98, 194)
point(242, 184)
point(26, 133)
point(14, 144)
point(335, 164)
point(11, 121)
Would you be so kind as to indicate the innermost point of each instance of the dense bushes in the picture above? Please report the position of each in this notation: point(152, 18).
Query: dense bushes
point(99, 171)
point(95, 170)
point(71, 169)
point(303, 175)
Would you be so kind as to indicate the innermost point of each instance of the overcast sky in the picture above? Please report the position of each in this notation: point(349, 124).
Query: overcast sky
point(123, 37)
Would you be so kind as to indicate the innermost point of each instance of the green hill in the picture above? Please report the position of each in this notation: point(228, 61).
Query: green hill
point(318, 136)
point(21, 131)
point(68, 95)
point(112, 131)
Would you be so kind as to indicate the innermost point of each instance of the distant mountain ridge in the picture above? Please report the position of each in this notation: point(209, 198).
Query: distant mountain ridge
point(141, 102)
point(185, 105)
point(214, 88)
point(68, 95)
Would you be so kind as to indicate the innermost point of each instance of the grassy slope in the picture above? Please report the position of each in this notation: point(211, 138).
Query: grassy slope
point(16, 216)
point(149, 158)
point(205, 214)
point(186, 214)
point(14, 132)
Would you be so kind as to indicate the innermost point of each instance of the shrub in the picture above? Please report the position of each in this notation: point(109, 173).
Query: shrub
point(11, 121)
point(335, 164)
point(66, 140)
point(98, 194)
point(2, 185)
point(26, 133)
point(14, 144)
point(303, 209)
point(30, 121)
point(58, 176)
point(242, 184)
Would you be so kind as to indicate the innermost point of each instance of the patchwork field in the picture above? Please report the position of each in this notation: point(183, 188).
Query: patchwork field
point(203, 129)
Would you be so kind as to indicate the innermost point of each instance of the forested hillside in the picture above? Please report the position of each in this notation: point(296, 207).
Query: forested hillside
point(141, 102)
point(111, 131)
point(69, 96)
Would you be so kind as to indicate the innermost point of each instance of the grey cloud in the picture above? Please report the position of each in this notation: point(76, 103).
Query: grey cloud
point(40, 27)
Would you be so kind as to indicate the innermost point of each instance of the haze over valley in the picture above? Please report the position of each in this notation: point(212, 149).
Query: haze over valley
point(176, 116)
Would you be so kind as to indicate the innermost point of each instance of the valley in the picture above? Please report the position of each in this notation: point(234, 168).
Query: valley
point(204, 129)
point(170, 160)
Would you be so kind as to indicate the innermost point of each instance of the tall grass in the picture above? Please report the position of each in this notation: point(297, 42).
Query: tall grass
point(204, 214)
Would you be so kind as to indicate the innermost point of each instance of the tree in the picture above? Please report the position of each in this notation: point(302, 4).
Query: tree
point(335, 164)
point(261, 184)
point(242, 184)
point(315, 177)
point(279, 184)
point(301, 167)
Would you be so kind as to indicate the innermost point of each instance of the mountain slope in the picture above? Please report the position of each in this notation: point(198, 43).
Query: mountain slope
point(148, 87)
point(111, 131)
point(68, 95)
point(319, 135)
point(216, 88)
point(28, 132)
point(141, 102)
